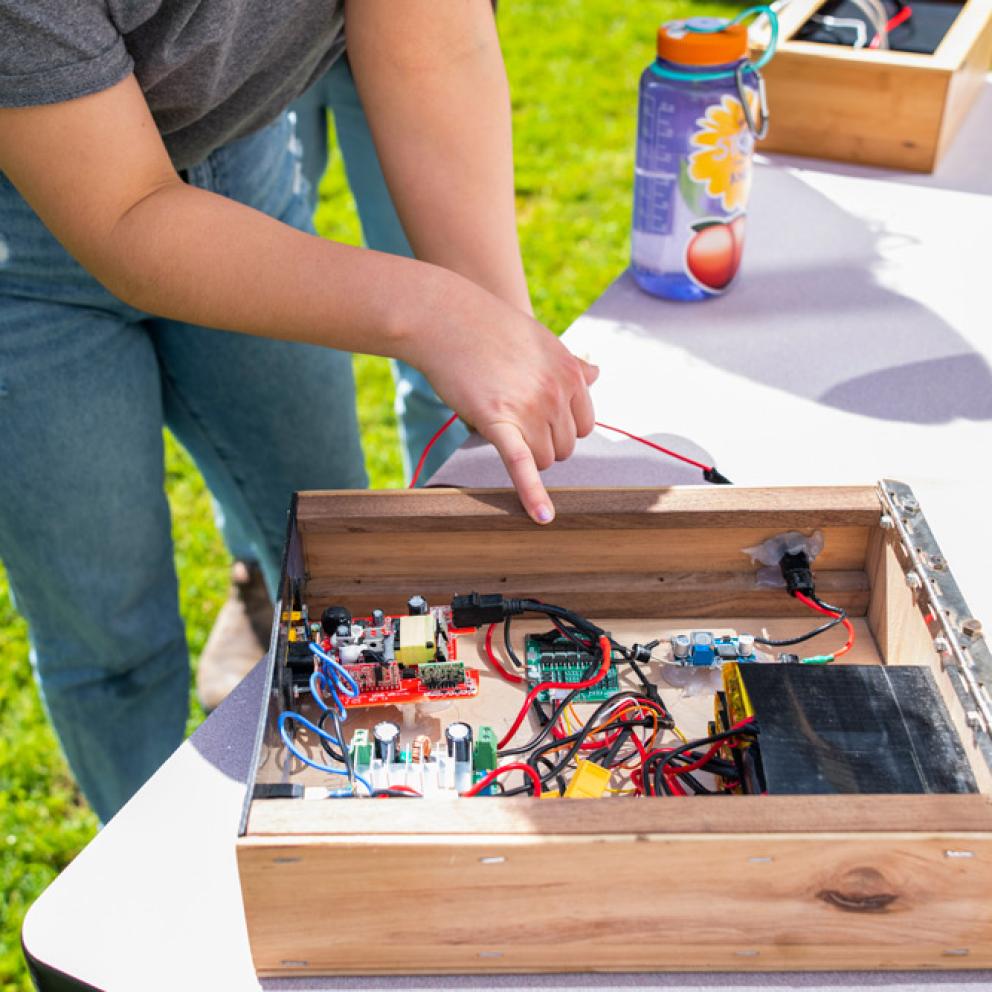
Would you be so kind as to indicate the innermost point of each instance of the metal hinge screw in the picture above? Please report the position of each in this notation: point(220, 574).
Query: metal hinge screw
point(974, 719)
point(941, 646)
point(910, 505)
point(971, 628)
point(913, 580)
point(886, 522)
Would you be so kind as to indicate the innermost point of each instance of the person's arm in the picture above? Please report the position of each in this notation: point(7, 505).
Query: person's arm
point(96, 172)
point(434, 90)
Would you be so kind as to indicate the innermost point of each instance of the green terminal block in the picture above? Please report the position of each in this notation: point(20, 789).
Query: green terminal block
point(361, 749)
point(484, 753)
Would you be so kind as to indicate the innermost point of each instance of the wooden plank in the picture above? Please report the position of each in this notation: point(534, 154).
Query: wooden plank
point(701, 815)
point(617, 594)
point(711, 507)
point(624, 903)
point(491, 556)
point(968, 48)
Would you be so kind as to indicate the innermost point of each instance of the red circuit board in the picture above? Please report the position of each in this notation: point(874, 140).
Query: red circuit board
point(413, 691)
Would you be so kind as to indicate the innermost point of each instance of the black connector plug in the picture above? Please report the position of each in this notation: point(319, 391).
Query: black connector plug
point(715, 477)
point(797, 573)
point(481, 609)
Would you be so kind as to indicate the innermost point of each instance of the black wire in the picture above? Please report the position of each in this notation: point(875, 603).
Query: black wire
point(511, 654)
point(575, 740)
point(787, 642)
point(656, 766)
point(840, 617)
point(582, 625)
point(328, 749)
point(559, 779)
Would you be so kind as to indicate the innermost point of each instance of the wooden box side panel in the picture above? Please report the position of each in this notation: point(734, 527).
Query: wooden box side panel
point(969, 46)
point(624, 903)
point(624, 553)
point(869, 110)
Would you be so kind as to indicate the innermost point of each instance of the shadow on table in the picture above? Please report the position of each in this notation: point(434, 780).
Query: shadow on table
point(690, 981)
point(818, 321)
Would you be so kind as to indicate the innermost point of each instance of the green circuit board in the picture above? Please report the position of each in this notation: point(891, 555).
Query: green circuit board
point(560, 660)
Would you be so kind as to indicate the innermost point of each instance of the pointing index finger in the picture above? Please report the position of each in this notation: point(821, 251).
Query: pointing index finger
point(519, 461)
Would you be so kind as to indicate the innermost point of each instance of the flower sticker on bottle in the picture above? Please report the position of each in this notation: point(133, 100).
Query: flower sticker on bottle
point(722, 159)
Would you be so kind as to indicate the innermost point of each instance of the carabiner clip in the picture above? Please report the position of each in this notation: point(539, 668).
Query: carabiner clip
point(758, 130)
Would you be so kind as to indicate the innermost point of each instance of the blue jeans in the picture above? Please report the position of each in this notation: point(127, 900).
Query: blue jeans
point(419, 412)
point(86, 386)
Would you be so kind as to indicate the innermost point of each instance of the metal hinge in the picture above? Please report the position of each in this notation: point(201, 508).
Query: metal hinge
point(957, 635)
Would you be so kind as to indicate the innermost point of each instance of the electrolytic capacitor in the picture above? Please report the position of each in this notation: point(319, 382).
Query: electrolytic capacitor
point(417, 606)
point(386, 736)
point(378, 618)
point(681, 646)
point(745, 645)
point(459, 738)
point(333, 617)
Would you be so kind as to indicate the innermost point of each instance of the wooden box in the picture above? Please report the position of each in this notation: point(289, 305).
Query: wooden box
point(352, 886)
point(887, 108)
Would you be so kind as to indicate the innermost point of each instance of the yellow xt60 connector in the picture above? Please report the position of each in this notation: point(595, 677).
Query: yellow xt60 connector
point(590, 781)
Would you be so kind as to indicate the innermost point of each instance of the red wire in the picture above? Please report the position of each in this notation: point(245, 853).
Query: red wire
point(604, 647)
point(606, 427)
point(427, 449)
point(405, 788)
point(670, 773)
point(657, 447)
point(848, 626)
point(894, 21)
point(494, 661)
point(515, 766)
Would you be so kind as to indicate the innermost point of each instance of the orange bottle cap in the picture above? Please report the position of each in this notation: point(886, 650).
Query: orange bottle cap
point(677, 44)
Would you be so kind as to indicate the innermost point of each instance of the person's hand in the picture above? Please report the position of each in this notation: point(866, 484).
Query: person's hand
point(511, 379)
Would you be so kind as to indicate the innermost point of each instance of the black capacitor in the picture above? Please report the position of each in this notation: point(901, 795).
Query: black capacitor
point(459, 738)
point(333, 617)
point(378, 618)
point(417, 606)
point(343, 632)
point(386, 737)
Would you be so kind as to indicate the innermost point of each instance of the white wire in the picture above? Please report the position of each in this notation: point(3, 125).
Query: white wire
point(877, 17)
point(845, 23)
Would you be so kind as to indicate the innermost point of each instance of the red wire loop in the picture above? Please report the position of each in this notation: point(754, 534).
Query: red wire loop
point(606, 427)
point(514, 766)
point(604, 647)
point(494, 661)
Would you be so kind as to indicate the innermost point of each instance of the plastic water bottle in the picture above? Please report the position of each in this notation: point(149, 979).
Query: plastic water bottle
point(701, 106)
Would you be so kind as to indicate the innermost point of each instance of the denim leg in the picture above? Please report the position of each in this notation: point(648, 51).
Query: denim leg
point(419, 411)
point(85, 530)
point(261, 418)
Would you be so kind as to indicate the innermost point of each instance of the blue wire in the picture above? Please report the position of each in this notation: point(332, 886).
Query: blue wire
point(287, 739)
point(708, 77)
point(319, 699)
point(339, 671)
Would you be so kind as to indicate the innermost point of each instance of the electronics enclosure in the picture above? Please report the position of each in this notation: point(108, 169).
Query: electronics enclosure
point(733, 883)
point(873, 107)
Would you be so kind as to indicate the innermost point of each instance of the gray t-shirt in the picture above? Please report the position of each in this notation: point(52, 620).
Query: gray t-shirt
point(211, 70)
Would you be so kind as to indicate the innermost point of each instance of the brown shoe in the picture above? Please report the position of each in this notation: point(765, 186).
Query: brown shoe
point(240, 636)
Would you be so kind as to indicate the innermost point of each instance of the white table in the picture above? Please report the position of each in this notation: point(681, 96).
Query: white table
point(854, 347)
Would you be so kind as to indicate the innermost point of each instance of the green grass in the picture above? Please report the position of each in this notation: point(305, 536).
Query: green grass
point(573, 66)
